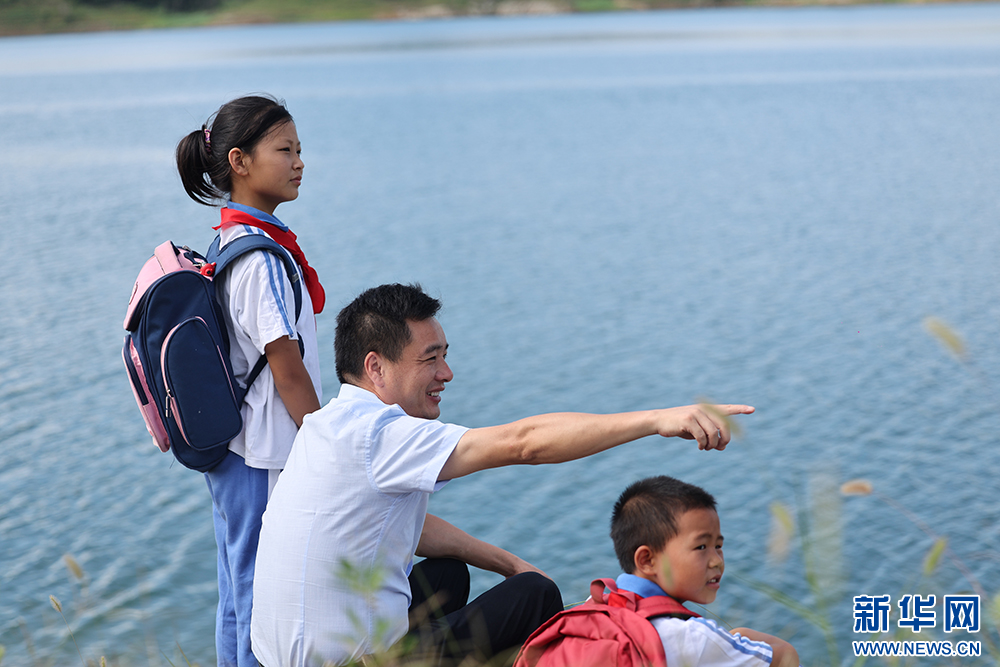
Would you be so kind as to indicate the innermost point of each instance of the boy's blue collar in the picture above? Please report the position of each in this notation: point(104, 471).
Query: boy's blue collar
point(257, 213)
point(638, 585)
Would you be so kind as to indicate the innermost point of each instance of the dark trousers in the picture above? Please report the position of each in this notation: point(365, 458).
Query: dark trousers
point(445, 628)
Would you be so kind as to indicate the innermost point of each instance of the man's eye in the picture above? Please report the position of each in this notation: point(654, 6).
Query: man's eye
point(700, 547)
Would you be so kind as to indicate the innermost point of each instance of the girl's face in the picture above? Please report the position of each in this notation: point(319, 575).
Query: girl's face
point(272, 173)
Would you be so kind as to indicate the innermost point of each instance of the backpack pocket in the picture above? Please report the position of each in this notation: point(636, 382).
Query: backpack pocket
point(201, 397)
point(143, 397)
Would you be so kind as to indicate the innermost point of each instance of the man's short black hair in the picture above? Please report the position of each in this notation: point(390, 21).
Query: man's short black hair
point(376, 322)
point(646, 514)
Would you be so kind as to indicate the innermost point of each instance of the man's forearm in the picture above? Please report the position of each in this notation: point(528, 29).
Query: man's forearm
point(558, 437)
point(440, 539)
point(548, 438)
point(561, 436)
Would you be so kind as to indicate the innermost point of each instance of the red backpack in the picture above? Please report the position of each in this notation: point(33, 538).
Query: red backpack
point(610, 630)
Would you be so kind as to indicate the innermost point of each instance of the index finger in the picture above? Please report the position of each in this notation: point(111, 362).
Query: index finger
point(732, 409)
point(722, 415)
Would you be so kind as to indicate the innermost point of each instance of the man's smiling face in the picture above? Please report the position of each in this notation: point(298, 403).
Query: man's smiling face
point(416, 380)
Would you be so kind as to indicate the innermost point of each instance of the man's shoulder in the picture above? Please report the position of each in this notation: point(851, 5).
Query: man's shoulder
point(354, 405)
point(359, 416)
point(359, 402)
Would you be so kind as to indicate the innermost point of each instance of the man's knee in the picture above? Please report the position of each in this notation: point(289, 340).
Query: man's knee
point(540, 590)
point(438, 586)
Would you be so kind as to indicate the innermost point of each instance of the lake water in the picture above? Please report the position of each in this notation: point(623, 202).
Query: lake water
point(619, 211)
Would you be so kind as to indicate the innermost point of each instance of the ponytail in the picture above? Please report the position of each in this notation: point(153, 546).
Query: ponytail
point(193, 163)
point(203, 155)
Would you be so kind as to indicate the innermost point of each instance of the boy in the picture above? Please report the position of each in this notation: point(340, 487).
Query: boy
point(668, 541)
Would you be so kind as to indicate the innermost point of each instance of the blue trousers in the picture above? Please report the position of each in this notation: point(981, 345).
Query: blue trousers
point(239, 495)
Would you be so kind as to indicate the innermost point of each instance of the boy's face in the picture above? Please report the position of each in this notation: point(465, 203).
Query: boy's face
point(690, 566)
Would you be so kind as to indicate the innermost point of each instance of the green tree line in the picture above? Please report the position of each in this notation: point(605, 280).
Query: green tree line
point(169, 5)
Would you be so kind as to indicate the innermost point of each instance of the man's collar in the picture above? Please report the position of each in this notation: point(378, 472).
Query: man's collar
point(638, 585)
point(352, 391)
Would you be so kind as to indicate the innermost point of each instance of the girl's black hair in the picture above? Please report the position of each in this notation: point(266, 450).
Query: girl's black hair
point(203, 155)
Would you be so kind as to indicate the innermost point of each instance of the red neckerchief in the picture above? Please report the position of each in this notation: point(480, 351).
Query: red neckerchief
point(286, 239)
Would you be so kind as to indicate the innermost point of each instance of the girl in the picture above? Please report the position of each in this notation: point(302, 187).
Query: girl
point(248, 156)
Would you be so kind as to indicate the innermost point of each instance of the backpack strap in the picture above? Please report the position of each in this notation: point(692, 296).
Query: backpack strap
point(221, 258)
point(238, 247)
point(663, 605)
point(651, 607)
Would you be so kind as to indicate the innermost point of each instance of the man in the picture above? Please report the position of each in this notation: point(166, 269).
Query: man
point(350, 508)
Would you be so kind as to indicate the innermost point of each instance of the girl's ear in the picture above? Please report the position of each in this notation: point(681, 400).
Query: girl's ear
point(238, 161)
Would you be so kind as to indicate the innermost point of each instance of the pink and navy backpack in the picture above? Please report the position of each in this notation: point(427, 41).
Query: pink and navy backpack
point(610, 630)
point(176, 350)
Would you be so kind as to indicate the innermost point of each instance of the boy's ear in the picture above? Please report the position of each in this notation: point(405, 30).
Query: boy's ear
point(643, 561)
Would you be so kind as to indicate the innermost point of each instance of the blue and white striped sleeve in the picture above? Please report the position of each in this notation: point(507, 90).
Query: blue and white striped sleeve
point(263, 302)
point(700, 642)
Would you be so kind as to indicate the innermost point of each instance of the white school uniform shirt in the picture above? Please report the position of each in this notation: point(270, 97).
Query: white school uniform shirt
point(698, 642)
point(355, 490)
point(259, 307)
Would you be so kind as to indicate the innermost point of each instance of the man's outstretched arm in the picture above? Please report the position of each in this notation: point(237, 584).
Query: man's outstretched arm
point(565, 436)
point(440, 539)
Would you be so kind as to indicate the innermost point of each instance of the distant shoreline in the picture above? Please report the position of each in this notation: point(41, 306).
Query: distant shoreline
point(35, 17)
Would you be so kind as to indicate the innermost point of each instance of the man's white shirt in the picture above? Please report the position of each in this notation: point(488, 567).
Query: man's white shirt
point(354, 491)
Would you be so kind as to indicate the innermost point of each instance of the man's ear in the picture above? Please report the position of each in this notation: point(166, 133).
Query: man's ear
point(374, 369)
point(238, 161)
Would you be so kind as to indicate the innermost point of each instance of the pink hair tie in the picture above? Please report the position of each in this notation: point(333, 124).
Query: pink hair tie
point(208, 139)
